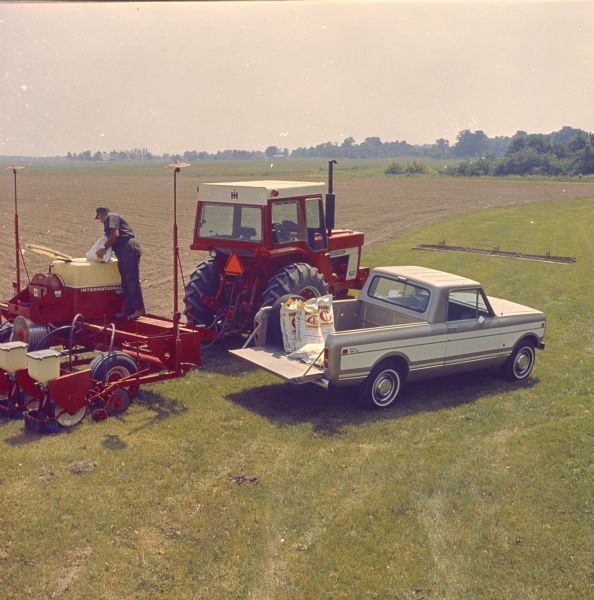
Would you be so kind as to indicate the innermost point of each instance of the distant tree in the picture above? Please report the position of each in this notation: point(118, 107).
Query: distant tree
point(394, 169)
point(271, 151)
point(413, 168)
point(441, 149)
point(565, 134)
point(471, 144)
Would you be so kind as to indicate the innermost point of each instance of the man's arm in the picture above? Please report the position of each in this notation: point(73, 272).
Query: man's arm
point(111, 240)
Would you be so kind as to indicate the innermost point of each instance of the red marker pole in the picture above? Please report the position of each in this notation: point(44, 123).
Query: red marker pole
point(177, 167)
point(175, 244)
point(176, 314)
point(17, 246)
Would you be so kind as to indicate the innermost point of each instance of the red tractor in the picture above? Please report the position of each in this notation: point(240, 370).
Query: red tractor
point(267, 239)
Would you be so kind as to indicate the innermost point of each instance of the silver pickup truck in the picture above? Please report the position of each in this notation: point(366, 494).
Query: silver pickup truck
point(408, 323)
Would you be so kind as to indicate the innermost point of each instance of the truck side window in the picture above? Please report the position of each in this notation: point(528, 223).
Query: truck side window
point(400, 293)
point(286, 222)
point(314, 223)
point(466, 304)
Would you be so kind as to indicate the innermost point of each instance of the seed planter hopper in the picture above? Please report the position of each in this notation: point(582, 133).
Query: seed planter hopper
point(63, 353)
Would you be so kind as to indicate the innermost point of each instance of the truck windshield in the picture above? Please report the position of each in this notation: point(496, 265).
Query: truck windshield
point(400, 293)
point(230, 222)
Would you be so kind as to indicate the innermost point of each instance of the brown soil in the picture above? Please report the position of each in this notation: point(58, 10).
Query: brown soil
point(57, 210)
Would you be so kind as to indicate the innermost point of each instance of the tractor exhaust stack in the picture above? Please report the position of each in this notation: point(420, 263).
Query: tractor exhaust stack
point(330, 199)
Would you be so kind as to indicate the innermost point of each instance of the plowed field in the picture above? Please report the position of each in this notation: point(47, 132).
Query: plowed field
point(57, 209)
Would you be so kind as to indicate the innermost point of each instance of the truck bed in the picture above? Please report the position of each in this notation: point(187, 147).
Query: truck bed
point(350, 315)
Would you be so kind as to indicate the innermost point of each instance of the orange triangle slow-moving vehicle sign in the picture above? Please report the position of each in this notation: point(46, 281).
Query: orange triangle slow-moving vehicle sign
point(233, 265)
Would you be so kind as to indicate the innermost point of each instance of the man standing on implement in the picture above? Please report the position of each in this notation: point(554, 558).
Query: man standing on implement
point(120, 238)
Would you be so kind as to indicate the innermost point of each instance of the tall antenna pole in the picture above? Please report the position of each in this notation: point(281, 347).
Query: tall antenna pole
point(17, 246)
point(177, 167)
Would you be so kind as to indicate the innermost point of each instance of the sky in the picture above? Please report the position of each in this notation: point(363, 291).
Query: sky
point(209, 76)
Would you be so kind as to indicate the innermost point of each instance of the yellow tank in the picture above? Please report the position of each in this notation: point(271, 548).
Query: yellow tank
point(80, 273)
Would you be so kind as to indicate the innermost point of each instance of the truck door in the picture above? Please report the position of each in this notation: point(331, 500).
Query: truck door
point(472, 330)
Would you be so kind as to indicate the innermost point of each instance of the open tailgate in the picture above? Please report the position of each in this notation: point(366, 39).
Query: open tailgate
point(277, 362)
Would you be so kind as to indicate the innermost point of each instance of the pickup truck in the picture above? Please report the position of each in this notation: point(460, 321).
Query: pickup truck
point(408, 323)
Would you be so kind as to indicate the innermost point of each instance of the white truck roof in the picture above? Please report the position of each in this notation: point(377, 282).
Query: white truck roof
point(430, 277)
point(257, 192)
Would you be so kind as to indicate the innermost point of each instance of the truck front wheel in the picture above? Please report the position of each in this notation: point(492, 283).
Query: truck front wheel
point(519, 365)
point(382, 386)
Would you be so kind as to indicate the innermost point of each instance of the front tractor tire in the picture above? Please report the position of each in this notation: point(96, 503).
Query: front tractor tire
point(298, 279)
point(204, 281)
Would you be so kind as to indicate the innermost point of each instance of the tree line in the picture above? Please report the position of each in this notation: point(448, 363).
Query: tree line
point(134, 154)
point(568, 151)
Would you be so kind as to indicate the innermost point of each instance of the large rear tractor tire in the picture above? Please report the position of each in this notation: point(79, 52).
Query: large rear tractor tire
point(204, 281)
point(298, 279)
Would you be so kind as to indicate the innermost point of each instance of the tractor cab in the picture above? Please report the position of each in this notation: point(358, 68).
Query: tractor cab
point(266, 239)
point(258, 215)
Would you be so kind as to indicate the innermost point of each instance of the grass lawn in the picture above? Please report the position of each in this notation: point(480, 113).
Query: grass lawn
point(230, 484)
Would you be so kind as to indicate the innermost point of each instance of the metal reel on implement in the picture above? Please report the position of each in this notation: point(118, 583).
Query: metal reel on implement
point(36, 336)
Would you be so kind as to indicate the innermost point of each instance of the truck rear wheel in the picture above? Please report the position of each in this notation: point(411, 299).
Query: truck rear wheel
point(382, 386)
point(297, 279)
point(204, 281)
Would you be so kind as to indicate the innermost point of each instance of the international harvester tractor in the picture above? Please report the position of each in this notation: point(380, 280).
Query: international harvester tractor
point(267, 239)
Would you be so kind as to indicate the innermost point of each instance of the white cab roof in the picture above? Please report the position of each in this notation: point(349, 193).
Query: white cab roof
point(430, 277)
point(257, 192)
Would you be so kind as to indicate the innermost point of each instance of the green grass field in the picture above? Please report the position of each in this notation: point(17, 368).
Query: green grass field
point(470, 488)
point(265, 168)
point(300, 168)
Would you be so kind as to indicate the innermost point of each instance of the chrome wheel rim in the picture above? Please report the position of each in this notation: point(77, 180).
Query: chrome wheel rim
point(523, 362)
point(385, 387)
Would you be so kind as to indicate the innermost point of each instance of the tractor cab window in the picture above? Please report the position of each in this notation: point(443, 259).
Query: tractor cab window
point(467, 304)
point(231, 222)
point(314, 224)
point(286, 222)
